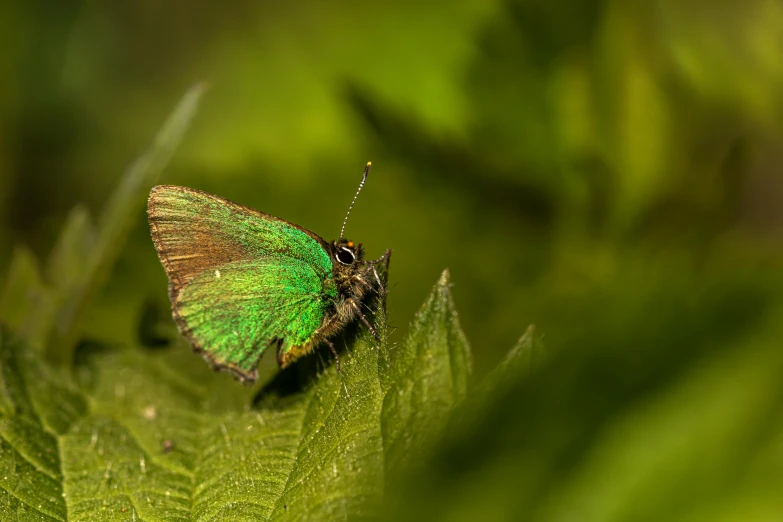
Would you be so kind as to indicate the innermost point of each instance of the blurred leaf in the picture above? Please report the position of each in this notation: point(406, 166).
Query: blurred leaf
point(158, 436)
point(115, 221)
point(455, 165)
point(72, 251)
point(523, 357)
point(423, 380)
point(45, 309)
point(26, 304)
point(707, 447)
point(728, 54)
point(656, 408)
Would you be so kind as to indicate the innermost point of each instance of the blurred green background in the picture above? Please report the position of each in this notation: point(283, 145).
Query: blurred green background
point(530, 146)
point(607, 170)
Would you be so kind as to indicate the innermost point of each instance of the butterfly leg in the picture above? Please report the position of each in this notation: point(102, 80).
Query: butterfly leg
point(385, 259)
point(334, 352)
point(378, 280)
point(364, 319)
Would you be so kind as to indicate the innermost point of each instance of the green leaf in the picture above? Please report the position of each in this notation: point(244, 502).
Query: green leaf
point(37, 405)
point(155, 435)
point(665, 407)
point(26, 304)
point(115, 220)
point(524, 356)
point(45, 307)
point(423, 380)
point(72, 251)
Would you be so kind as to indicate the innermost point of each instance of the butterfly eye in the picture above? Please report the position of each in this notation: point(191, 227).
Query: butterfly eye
point(345, 256)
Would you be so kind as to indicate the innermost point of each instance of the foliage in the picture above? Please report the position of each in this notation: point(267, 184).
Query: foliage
point(129, 432)
point(46, 307)
point(607, 170)
point(630, 415)
point(157, 436)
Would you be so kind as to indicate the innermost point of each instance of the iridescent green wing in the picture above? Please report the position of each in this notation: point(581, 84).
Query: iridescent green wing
point(198, 235)
point(194, 231)
point(233, 313)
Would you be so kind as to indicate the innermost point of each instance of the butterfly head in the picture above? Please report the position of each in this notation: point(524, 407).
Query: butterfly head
point(347, 253)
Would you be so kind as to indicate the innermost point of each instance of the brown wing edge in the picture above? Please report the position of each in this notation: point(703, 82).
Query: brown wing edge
point(247, 378)
point(239, 208)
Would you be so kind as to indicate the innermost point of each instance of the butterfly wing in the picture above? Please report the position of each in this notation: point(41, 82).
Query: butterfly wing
point(238, 279)
point(232, 314)
point(194, 231)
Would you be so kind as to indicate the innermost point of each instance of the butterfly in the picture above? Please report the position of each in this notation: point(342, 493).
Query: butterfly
point(241, 280)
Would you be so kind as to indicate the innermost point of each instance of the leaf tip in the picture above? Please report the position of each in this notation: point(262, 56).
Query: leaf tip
point(526, 351)
point(200, 87)
point(445, 278)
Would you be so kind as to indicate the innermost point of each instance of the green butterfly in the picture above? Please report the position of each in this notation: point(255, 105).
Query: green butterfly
point(241, 280)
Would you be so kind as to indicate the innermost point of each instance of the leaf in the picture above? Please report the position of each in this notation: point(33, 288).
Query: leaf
point(112, 228)
point(45, 308)
point(31, 479)
point(155, 435)
point(526, 355)
point(662, 407)
point(423, 380)
point(72, 251)
point(26, 302)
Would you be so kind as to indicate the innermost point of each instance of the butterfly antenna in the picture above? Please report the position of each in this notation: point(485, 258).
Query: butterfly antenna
point(361, 184)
